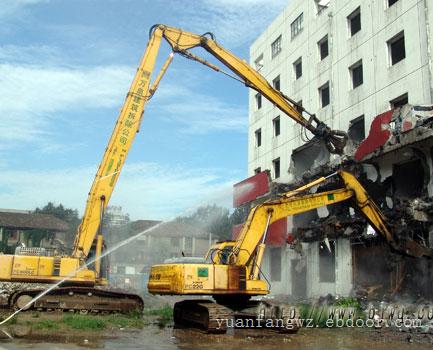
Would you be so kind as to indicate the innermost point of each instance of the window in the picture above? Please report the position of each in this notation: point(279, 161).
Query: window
point(258, 134)
point(297, 68)
point(275, 257)
point(356, 74)
point(323, 47)
point(296, 25)
point(354, 20)
point(259, 63)
point(276, 165)
point(356, 130)
point(324, 95)
point(327, 262)
point(298, 106)
point(276, 83)
point(396, 48)
point(399, 101)
point(391, 2)
point(276, 124)
point(259, 100)
point(276, 47)
point(321, 5)
point(257, 170)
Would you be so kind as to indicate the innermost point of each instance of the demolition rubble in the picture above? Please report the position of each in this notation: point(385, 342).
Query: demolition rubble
point(394, 163)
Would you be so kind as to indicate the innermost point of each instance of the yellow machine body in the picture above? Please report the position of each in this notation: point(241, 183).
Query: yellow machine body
point(204, 279)
point(45, 269)
point(233, 267)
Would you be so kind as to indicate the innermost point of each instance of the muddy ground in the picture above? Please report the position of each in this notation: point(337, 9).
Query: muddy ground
point(152, 337)
point(50, 331)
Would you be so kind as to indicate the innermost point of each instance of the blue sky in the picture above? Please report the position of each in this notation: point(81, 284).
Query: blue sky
point(65, 67)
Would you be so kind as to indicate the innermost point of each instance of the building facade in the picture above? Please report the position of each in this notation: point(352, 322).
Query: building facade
point(347, 62)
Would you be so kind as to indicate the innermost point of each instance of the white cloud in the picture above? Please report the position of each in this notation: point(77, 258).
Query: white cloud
point(10, 7)
point(31, 54)
point(233, 22)
point(145, 190)
point(180, 100)
point(201, 114)
point(32, 96)
point(35, 89)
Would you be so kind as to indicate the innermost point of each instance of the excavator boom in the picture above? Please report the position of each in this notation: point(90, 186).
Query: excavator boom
point(127, 125)
point(181, 42)
point(33, 268)
point(233, 271)
point(128, 122)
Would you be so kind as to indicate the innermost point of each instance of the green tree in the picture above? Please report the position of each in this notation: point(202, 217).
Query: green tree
point(36, 236)
point(212, 218)
point(240, 214)
point(68, 215)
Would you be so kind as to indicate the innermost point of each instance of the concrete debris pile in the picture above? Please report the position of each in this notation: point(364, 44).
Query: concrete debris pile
point(396, 128)
point(395, 165)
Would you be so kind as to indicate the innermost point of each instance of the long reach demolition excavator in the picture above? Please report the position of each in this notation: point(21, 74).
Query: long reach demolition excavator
point(231, 271)
point(79, 290)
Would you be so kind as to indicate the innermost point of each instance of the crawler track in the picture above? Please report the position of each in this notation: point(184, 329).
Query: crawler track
point(211, 317)
point(201, 314)
point(78, 299)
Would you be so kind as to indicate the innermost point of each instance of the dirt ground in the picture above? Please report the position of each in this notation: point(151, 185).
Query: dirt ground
point(152, 334)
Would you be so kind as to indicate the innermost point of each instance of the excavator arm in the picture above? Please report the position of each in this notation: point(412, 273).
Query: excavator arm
point(181, 42)
point(250, 245)
point(141, 91)
point(127, 125)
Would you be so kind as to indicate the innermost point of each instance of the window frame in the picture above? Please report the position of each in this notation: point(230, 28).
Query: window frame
point(352, 68)
point(297, 63)
point(327, 85)
point(397, 100)
point(320, 43)
point(259, 62)
point(259, 101)
point(258, 137)
point(276, 126)
point(296, 26)
point(390, 44)
point(354, 14)
point(277, 81)
point(353, 122)
point(390, 5)
point(276, 46)
point(299, 106)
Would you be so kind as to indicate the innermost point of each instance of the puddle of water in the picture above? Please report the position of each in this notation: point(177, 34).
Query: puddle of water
point(175, 339)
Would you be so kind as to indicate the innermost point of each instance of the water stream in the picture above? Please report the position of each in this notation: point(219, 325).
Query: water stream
point(72, 274)
point(217, 196)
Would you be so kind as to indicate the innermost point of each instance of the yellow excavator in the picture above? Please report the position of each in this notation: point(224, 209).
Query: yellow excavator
point(33, 266)
point(231, 272)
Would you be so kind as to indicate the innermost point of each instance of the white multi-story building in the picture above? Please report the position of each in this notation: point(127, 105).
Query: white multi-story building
point(346, 61)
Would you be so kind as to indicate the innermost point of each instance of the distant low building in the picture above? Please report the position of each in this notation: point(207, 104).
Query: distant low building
point(114, 216)
point(160, 241)
point(15, 223)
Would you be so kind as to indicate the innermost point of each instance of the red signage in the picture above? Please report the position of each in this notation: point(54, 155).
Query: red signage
point(250, 189)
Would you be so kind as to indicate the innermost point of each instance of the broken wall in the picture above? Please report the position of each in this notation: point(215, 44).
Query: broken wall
point(394, 164)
